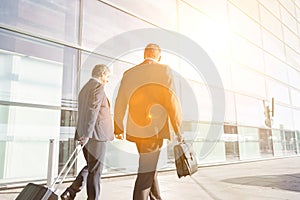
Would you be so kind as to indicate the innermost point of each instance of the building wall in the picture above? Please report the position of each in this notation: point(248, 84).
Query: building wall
point(48, 49)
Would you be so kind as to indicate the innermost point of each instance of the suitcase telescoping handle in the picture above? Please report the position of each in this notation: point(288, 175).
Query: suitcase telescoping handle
point(75, 154)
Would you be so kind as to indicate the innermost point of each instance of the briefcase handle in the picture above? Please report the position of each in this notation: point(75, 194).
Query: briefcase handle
point(180, 137)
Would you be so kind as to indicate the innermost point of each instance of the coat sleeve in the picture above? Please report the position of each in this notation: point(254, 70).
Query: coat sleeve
point(95, 98)
point(120, 108)
point(172, 103)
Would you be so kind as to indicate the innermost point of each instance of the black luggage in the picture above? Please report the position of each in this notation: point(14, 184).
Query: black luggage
point(36, 192)
point(39, 192)
point(185, 159)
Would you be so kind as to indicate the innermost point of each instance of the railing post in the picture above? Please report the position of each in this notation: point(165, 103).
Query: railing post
point(50, 174)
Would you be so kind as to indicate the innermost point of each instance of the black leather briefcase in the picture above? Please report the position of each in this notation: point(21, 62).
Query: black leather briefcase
point(185, 159)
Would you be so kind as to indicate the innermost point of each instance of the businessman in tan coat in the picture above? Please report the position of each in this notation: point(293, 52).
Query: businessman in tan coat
point(148, 91)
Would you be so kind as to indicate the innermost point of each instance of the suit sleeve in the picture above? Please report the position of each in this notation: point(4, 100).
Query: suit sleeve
point(95, 99)
point(172, 104)
point(120, 108)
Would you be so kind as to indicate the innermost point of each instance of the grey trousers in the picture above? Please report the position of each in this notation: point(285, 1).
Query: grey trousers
point(90, 175)
point(146, 184)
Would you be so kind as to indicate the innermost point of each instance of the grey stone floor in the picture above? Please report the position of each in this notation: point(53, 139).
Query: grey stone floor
point(273, 179)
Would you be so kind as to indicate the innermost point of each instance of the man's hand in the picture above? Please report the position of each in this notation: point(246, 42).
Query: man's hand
point(179, 137)
point(83, 140)
point(119, 136)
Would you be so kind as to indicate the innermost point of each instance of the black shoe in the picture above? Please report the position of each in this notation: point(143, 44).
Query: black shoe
point(66, 196)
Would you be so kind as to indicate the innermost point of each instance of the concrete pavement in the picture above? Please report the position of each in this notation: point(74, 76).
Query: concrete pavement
point(273, 179)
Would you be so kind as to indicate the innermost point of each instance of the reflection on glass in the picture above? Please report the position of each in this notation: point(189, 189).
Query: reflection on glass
point(30, 98)
point(248, 143)
point(57, 19)
point(265, 142)
point(230, 138)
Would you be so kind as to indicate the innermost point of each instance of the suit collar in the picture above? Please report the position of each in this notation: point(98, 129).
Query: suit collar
point(149, 61)
point(95, 79)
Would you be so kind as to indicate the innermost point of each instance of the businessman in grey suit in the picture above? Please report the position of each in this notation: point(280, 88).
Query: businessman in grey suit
point(148, 91)
point(95, 128)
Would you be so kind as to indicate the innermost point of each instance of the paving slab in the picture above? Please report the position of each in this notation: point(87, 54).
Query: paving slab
point(272, 179)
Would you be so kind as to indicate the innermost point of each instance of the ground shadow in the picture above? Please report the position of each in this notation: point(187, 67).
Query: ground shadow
point(289, 182)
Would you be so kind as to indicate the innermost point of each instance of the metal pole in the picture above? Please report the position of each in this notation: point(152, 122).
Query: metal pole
point(50, 174)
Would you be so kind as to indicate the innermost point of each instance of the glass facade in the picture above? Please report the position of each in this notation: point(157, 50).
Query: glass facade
point(48, 48)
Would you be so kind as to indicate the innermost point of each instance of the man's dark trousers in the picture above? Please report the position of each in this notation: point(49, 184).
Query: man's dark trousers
point(94, 153)
point(146, 183)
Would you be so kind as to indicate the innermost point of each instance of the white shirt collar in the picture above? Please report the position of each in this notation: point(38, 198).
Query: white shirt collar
point(154, 60)
point(96, 79)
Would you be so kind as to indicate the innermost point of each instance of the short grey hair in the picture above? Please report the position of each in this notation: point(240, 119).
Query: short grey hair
point(99, 69)
point(152, 51)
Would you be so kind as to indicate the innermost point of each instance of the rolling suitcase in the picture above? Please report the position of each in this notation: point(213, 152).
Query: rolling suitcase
point(185, 159)
point(39, 192)
point(36, 192)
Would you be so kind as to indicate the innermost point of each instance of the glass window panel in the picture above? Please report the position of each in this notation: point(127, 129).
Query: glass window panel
point(31, 92)
point(290, 38)
point(297, 9)
point(230, 112)
point(273, 45)
point(70, 79)
point(26, 45)
point(270, 22)
point(272, 6)
point(292, 57)
point(296, 114)
point(30, 122)
point(278, 145)
point(276, 68)
point(25, 132)
point(207, 148)
point(34, 87)
point(244, 25)
point(211, 35)
point(279, 91)
point(214, 8)
point(95, 23)
point(289, 20)
point(57, 19)
point(249, 7)
point(248, 81)
point(247, 53)
point(195, 102)
point(224, 69)
point(21, 167)
point(248, 143)
point(283, 117)
point(250, 111)
point(187, 71)
point(24, 73)
point(294, 77)
point(288, 4)
point(295, 95)
point(165, 11)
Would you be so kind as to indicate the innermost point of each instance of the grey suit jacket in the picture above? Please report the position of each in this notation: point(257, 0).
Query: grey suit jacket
point(94, 119)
